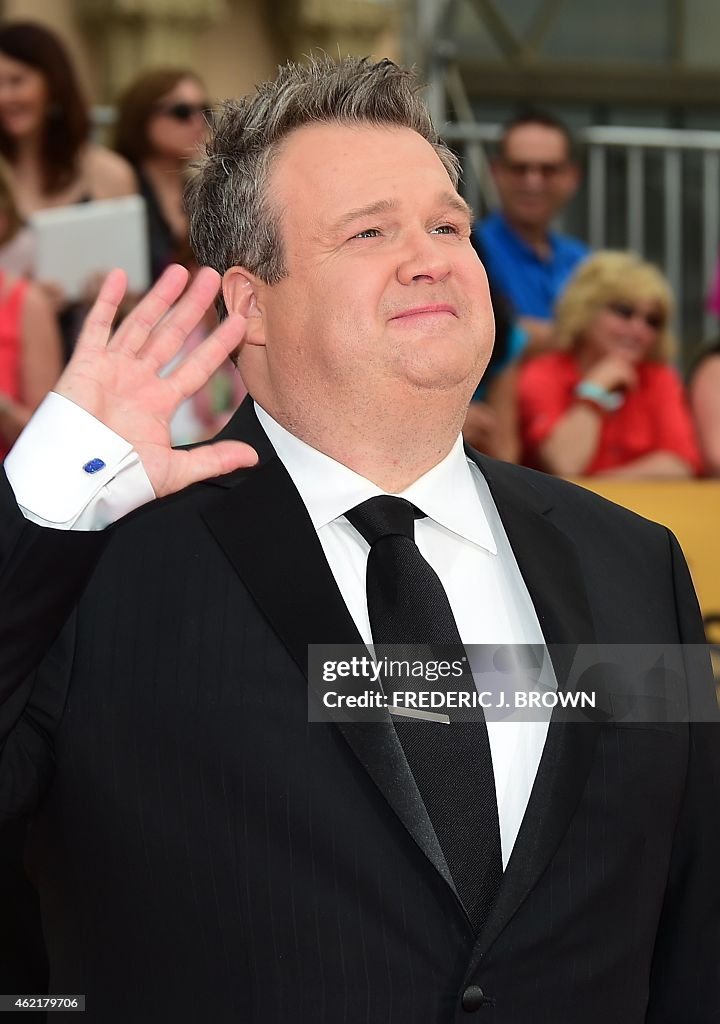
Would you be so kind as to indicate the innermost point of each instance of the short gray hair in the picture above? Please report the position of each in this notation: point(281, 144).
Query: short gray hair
point(232, 222)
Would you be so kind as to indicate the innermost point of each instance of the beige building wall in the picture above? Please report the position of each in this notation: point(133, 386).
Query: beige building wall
point(232, 44)
point(240, 50)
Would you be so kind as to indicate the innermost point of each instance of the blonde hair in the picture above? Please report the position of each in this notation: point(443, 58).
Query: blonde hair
point(608, 277)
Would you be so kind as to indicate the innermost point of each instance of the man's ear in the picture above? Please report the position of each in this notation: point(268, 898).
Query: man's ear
point(574, 177)
point(241, 291)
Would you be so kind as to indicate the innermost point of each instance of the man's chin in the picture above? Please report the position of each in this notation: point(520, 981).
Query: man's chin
point(531, 216)
point(453, 383)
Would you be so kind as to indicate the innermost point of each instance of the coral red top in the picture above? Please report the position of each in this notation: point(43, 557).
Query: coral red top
point(11, 305)
point(654, 416)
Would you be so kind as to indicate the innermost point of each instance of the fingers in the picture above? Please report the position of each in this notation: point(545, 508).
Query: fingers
point(135, 329)
point(207, 461)
point(98, 323)
point(160, 323)
point(197, 368)
point(169, 336)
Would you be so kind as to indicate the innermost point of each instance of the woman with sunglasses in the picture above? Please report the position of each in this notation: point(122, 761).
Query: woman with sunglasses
point(161, 125)
point(607, 403)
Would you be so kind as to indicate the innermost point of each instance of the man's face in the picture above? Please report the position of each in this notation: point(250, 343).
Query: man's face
point(384, 294)
point(534, 175)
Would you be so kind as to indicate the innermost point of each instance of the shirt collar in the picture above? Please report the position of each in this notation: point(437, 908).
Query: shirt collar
point(446, 493)
point(522, 245)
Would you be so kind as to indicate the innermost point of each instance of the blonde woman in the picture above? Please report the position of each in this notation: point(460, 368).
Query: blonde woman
point(607, 403)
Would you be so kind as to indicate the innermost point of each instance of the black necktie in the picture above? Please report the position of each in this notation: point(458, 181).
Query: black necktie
point(451, 764)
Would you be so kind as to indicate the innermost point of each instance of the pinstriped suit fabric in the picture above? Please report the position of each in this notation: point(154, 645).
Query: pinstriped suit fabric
point(203, 853)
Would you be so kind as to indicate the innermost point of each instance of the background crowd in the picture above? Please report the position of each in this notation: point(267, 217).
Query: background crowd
point(583, 380)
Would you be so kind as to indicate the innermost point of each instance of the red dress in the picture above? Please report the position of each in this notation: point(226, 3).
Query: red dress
point(11, 306)
point(654, 416)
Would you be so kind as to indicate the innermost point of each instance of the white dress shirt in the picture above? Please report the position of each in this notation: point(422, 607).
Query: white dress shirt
point(45, 469)
point(461, 537)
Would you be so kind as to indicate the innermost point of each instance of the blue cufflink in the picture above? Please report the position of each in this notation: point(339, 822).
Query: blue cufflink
point(94, 466)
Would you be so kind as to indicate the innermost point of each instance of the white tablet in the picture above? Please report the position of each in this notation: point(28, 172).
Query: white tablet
point(75, 243)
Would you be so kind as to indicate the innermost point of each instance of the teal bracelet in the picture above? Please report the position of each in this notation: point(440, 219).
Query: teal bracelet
point(609, 401)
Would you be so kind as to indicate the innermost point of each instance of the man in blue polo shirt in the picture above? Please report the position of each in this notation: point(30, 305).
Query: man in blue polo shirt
point(536, 175)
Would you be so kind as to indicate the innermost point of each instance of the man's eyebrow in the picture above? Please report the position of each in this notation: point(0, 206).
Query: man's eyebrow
point(447, 199)
point(457, 203)
point(371, 210)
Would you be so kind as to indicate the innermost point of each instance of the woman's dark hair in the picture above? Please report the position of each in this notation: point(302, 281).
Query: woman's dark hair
point(67, 123)
point(8, 205)
point(137, 105)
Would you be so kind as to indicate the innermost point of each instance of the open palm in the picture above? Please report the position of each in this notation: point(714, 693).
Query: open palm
point(115, 376)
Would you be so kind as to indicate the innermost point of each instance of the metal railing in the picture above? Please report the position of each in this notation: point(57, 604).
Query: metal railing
point(653, 190)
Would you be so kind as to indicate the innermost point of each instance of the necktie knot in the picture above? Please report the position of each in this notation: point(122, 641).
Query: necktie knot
point(384, 516)
point(451, 764)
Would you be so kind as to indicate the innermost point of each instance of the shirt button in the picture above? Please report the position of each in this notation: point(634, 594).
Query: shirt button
point(472, 998)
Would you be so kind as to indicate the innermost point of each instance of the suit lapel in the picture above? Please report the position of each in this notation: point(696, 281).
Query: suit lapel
point(547, 559)
point(266, 532)
point(550, 567)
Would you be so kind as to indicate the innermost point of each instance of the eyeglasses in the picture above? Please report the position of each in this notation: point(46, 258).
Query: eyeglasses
point(185, 111)
point(625, 311)
point(521, 169)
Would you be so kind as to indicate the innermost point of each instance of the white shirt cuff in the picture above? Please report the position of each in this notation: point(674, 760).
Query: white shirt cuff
point(47, 470)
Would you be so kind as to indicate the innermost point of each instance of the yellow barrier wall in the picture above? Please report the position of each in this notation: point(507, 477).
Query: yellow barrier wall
point(691, 509)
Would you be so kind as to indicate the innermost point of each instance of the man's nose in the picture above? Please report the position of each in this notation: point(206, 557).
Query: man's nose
point(533, 178)
point(424, 257)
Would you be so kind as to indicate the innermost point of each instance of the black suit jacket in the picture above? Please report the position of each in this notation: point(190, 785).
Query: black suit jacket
point(203, 852)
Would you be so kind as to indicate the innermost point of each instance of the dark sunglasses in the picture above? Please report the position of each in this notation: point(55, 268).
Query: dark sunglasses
point(626, 312)
point(185, 111)
point(520, 169)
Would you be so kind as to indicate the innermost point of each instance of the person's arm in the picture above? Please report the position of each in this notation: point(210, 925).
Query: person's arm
point(705, 404)
point(109, 174)
point(655, 466)
point(40, 363)
point(541, 335)
point(112, 381)
point(674, 453)
point(570, 446)
point(115, 377)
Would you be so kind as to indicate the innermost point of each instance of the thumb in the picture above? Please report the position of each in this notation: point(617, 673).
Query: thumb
point(207, 461)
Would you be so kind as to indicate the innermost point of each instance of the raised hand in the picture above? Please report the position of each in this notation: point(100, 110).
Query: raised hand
point(115, 376)
point(614, 373)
